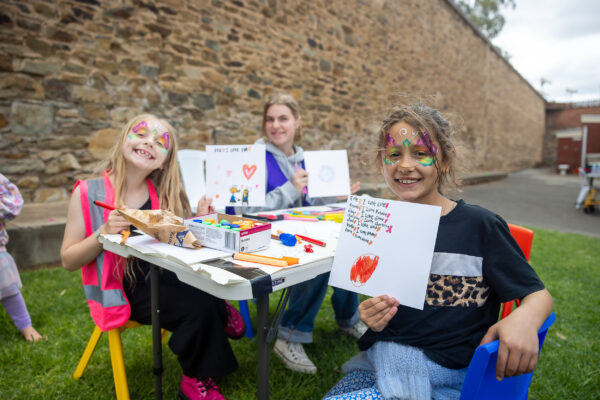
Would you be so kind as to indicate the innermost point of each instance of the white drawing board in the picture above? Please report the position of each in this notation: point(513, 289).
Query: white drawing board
point(386, 247)
point(328, 173)
point(235, 175)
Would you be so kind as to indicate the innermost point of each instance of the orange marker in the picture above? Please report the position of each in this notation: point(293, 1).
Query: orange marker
point(260, 259)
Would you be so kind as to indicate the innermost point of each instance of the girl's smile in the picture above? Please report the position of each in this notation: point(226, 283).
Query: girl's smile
point(146, 145)
point(144, 154)
point(409, 164)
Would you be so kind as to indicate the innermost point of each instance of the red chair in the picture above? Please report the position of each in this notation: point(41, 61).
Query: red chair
point(524, 238)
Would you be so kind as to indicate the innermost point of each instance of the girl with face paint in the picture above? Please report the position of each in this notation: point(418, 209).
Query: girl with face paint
point(477, 265)
point(142, 173)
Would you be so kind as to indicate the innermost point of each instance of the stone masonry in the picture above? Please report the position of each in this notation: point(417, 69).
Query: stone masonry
point(72, 72)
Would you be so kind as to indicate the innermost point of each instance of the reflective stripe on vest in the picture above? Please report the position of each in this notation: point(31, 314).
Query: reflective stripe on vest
point(106, 297)
point(102, 283)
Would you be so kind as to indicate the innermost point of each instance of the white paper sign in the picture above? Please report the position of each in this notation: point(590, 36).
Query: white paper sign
point(386, 247)
point(328, 173)
point(236, 175)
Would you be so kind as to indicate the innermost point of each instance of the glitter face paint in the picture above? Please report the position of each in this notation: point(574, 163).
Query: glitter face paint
point(420, 151)
point(427, 142)
point(158, 132)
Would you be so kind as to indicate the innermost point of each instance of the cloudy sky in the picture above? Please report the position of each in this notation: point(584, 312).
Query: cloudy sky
point(558, 40)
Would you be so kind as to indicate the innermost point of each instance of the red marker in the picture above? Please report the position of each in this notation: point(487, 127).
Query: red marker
point(313, 241)
point(104, 205)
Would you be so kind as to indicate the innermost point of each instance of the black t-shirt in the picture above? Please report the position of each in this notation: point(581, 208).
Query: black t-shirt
point(140, 268)
point(476, 265)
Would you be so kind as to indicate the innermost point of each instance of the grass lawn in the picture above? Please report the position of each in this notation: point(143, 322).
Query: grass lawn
point(569, 367)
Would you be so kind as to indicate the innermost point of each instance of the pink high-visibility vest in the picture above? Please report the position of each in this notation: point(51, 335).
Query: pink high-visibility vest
point(103, 286)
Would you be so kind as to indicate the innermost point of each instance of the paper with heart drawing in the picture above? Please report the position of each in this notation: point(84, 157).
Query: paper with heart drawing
point(235, 175)
point(328, 173)
point(386, 247)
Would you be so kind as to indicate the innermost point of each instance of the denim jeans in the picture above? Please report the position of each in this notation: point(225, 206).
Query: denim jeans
point(305, 301)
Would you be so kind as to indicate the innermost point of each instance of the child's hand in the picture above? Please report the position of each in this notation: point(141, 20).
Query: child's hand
point(377, 312)
point(115, 223)
point(204, 206)
point(354, 187)
point(300, 180)
point(519, 345)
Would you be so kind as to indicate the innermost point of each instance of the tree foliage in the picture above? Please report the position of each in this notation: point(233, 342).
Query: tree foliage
point(486, 14)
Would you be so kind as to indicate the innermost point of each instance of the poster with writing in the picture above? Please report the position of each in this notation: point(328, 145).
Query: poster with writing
point(236, 175)
point(328, 173)
point(386, 247)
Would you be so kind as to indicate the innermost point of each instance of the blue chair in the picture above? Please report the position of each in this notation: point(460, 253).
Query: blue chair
point(481, 383)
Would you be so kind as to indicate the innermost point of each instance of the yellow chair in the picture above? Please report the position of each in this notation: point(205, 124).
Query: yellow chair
point(116, 356)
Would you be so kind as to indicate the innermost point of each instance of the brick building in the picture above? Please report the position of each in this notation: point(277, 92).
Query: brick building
point(565, 126)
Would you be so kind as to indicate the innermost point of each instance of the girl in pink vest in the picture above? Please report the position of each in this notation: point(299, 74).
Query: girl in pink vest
point(142, 173)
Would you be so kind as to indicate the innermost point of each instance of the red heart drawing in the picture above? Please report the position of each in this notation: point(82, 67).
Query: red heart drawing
point(249, 170)
point(229, 172)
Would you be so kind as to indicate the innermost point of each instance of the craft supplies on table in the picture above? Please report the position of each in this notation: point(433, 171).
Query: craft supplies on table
point(230, 232)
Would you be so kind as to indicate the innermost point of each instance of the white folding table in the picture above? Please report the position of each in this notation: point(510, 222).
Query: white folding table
point(246, 290)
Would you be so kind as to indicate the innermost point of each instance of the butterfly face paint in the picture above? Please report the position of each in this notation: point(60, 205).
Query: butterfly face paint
point(155, 129)
point(422, 152)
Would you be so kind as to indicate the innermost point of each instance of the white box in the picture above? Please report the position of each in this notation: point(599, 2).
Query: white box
point(245, 241)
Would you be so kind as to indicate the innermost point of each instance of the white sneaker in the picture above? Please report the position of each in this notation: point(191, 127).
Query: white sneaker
point(356, 331)
point(293, 356)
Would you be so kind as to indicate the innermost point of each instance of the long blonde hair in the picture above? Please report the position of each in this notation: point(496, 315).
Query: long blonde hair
point(166, 180)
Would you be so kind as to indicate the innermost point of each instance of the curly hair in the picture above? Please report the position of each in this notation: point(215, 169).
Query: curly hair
point(425, 119)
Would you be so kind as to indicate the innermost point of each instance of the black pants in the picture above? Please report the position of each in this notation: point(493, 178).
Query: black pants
point(196, 319)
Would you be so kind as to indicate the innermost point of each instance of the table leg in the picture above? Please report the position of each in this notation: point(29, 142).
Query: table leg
point(156, 334)
point(262, 308)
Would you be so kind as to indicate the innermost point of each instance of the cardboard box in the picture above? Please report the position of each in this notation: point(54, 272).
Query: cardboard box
point(245, 241)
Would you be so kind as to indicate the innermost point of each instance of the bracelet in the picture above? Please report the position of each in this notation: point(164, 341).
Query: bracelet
point(97, 233)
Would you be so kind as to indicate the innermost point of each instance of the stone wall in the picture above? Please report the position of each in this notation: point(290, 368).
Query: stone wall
point(72, 72)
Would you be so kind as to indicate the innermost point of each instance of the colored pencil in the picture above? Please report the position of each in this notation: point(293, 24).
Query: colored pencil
point(313, 241)
point(104, 205)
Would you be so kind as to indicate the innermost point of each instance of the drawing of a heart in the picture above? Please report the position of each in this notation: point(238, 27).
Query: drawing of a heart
point(249, 170)
point(363, 268)
point(229, 172)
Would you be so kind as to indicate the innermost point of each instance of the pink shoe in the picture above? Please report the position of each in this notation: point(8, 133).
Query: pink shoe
point(195, 388)
point(235, 327)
